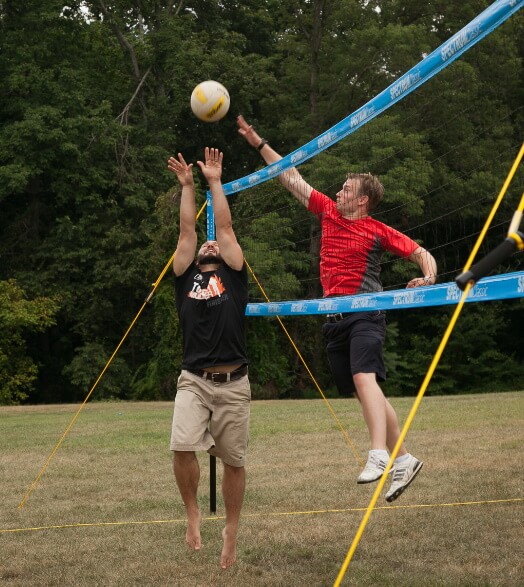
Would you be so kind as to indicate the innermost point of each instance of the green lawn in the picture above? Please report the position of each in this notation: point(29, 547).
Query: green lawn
point(106, 511)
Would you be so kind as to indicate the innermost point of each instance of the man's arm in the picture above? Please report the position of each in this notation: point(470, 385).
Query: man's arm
point(187, 238)
point(230, 250)
point(425, 260)
point(291, 178)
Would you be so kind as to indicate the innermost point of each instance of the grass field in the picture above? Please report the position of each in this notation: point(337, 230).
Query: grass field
point(107, 511)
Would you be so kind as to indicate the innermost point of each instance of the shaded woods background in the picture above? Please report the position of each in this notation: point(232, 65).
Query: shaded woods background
point(95, 97)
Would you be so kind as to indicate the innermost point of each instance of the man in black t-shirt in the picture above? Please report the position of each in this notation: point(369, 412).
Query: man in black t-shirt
point(213, 393)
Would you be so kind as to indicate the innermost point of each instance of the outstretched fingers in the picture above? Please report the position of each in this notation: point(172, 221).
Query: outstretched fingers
point(213, 156)
point(212, 165)
point(247, 131)
point(243, 127)
point(180, 168)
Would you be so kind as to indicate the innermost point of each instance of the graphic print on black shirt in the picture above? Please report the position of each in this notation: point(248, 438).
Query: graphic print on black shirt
point(215, 289)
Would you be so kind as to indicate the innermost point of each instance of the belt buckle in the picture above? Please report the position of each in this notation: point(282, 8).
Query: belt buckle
point(218, 375)
point(335, 317)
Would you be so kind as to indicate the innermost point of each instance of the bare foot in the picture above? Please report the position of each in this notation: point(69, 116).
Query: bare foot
point(229, 551)
point(193, 531)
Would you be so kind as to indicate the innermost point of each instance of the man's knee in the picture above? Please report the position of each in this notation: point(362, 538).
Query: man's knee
point(183, 457)
point(363, 380)
point(232, 470)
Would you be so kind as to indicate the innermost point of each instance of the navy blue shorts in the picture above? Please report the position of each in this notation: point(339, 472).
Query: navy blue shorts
point(355, 345)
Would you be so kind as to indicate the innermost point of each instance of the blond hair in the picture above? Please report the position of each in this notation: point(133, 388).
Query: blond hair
point(370, 186)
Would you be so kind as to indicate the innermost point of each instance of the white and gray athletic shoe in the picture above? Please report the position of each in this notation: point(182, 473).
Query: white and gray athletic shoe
point(373, 470)
point(403, 475)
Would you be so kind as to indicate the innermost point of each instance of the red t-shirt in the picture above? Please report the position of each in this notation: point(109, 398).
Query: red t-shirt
point(351, 250)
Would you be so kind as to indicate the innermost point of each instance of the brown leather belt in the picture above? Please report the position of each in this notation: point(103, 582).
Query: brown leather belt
point(220, 377)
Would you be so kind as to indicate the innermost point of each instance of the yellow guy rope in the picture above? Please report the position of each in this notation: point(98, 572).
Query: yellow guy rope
point(259, 515)
point(348, 439)
point(75, 417)
point(429, 374)
point(515, 223)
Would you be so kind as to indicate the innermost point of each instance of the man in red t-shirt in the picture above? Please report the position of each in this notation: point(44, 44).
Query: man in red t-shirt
point(351, 248)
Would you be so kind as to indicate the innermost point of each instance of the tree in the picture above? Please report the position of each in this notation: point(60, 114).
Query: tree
point(97, 97)
point(20, 318)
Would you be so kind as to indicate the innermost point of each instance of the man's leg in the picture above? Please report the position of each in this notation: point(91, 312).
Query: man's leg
point(379, 415)
point(374, 408)
point(393, 430)
point(382, 423)
point(187, 475)
point(233, 485)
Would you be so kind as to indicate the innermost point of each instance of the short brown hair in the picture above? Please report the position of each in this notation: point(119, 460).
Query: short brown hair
point(370, 186)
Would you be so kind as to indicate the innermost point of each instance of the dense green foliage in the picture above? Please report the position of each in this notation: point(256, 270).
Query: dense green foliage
point(18, 317)
point(94, 98)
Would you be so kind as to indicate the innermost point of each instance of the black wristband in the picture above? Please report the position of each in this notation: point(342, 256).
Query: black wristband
point(262, 143)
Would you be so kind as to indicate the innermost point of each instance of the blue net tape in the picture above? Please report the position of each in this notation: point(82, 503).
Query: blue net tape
point(500, 287)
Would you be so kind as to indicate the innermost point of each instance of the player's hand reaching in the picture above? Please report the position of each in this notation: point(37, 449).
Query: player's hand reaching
point(212, 167)
point(421, 281)
point(248, 132)
point(181, 169)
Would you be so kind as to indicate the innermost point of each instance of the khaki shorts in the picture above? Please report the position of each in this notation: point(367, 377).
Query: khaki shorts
point(213, 417)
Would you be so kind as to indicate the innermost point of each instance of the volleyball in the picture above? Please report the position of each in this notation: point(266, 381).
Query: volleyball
point(210, 101)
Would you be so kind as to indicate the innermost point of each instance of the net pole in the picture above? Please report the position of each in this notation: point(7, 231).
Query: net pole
point(212, 484)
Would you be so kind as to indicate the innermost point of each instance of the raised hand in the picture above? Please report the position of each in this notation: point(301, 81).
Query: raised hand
point(248, 132)
point(212, 167)
point(181, 169)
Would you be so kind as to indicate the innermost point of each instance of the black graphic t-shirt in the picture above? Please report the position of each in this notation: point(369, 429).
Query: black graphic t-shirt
point(211, 307)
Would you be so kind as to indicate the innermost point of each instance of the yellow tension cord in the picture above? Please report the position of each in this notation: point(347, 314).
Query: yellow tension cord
point(515, 224)
point(260, 514)
point(75, 417)
point(348, 439)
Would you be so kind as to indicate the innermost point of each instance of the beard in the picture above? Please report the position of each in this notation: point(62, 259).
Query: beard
point(209, 259)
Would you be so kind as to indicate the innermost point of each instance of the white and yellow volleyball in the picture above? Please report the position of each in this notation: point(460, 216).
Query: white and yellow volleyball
point(210, 101)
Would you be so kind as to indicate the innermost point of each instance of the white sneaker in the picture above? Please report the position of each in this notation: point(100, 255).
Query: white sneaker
point(373, 470)
point(403, 475)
